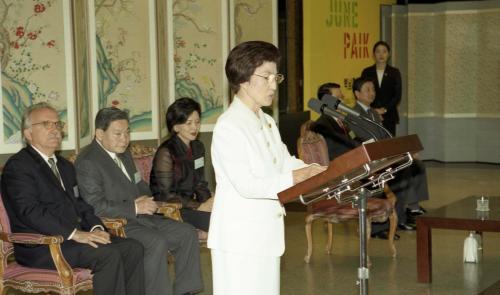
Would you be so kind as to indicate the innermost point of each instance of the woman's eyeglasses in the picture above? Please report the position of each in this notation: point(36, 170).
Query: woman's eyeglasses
point(278, 78)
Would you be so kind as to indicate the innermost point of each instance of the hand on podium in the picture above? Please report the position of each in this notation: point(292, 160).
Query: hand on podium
point(302, 174)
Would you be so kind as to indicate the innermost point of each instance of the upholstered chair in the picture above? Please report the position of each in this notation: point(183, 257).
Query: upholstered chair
point(312, 148)
point(62, 280)
point(143, 159)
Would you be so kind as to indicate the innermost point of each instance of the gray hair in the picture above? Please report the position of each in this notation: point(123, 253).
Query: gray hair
point(26, 123)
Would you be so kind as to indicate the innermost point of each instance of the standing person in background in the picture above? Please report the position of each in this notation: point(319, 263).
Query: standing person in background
point(251, 166)
point(388, 86)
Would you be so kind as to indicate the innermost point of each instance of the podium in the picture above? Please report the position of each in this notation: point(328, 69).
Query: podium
point(355, 176)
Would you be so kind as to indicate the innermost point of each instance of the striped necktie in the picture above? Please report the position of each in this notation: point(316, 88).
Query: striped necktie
point(53, 167)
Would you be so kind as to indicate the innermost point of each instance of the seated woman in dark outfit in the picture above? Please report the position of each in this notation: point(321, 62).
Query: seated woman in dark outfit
point(178, 173)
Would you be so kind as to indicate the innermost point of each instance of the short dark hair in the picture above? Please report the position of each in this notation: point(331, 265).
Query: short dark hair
point(358, 84)
point(180, 110)
point(106, 116)
point(383, 43)
point(325, 89)
point(245, 58)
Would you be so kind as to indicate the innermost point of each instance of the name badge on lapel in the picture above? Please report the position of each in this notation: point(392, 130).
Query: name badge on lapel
point(198, 163)
point(76, 192)
point(137, 177)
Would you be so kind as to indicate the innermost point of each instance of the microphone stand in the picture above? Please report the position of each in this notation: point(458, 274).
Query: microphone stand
point(378, 125)
point(349, 119)
point(361, 203)
point(363, 271)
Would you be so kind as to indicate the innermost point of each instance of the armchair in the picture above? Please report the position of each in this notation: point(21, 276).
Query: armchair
point(312, 148)
point(143, 159)
point(63, 280)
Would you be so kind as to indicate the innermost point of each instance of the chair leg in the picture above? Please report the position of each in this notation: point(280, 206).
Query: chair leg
point(309, 220)
point(393, 219)
point(330, 238)
point(393, 222)
point(68, 291)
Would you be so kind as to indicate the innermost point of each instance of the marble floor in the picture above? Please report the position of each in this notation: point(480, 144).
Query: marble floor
point(337, 273)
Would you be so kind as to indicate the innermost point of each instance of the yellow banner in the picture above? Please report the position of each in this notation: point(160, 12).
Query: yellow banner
point(338, 40)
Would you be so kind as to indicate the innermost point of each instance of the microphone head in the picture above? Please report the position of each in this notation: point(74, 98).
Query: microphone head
point(315, 105)
point(331, 101)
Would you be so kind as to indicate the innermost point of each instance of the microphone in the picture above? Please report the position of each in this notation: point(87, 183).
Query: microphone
point(336, 104)
point(322, 108)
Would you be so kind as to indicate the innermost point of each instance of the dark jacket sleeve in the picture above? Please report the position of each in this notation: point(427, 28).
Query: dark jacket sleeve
point(201, 189)
point(393, 101)
point(84, 210)
point(23, 190)
point(202, 193)
point(337, 141)
point(92, 189)
point(366, 73)
point(163, 170)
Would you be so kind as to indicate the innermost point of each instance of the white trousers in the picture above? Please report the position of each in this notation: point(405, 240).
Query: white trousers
point(244, 274)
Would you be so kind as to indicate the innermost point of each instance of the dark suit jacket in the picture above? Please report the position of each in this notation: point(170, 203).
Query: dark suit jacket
point(337, 139)
point(104, 186)
point(364, 130)
point(37, 203)
point(388, 95)
point(410, 184)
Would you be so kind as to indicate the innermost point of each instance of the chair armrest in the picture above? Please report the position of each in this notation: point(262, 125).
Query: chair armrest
point(170, 210)
point(177, 205)
point(54, 243)
point(28, 238)
point(116, 226)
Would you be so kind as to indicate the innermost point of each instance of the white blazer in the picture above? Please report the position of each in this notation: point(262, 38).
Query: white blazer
point(251, 166)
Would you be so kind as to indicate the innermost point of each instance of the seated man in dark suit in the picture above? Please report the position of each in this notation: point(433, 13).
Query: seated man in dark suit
point(337, 135)
point(409, 185)
point(41, 196)
point(109, 181)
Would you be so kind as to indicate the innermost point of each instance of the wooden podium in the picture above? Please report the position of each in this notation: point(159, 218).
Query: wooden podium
point(355, 176)
point(360, 163)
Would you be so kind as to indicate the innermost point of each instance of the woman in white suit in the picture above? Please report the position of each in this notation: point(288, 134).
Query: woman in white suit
point(251, 165)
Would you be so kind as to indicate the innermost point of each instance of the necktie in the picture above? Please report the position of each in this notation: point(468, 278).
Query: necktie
point(53, 167)
point(118, 162)
point(120, 165)
point(339, 122)
point(373, 114)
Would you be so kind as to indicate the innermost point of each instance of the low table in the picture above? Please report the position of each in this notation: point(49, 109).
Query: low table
point(460, 215)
